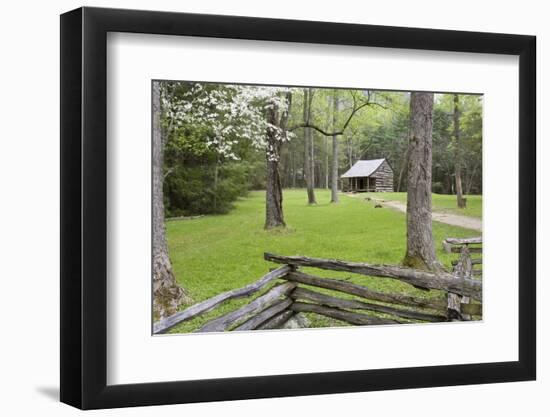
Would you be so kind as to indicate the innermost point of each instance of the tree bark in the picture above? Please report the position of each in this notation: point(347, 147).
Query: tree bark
point(460, 201)
point(167, 294)
point(335, 158)
point(308, 148)
point(420, 246)
point(274, 216)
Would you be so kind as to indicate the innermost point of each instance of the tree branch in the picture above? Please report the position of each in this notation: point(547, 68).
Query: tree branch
point(168, 172)
point(340, 132)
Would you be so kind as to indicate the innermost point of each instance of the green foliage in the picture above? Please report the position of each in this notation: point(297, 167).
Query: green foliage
point(194, 190)
point(213, 254)
point(444, 144)
point(202, 178)
point(384, 134)
point(199, 179)
point(437, 187)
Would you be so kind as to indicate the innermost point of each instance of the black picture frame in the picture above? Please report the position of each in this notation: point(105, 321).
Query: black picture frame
point(84, 207)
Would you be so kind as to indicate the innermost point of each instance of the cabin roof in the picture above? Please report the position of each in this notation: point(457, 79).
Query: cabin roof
point(363, 168)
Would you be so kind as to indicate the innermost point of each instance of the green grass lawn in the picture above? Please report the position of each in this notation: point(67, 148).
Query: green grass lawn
point(443, 203)
point(213, 254)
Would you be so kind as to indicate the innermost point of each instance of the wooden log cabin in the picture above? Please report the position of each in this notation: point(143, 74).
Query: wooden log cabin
point(373, 175)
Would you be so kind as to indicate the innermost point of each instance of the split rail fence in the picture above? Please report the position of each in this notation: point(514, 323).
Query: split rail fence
point(293, 294)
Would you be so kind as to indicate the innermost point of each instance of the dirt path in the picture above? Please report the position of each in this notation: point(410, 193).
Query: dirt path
point(472, 223)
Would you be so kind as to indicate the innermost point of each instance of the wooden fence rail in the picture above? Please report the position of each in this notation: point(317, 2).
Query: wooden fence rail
point(365, 292)
point(167, 323)
point(276, 306)
point(305, 294)
point(244, 313)
point(350, 317)
point(424, 279)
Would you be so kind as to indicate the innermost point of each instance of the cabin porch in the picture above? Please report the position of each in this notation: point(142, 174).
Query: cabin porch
point(361, 184)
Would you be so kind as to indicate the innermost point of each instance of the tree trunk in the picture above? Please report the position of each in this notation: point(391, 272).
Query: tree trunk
point(308, 148)
point(460, 201)
point(471, 179)
point(313, 170)
point(167, 294)
point(293, 159)
point(326, 163)
point(274, 216)
point(274, 194)
point(335, 158)
point(349, 152)
point(448, 183)
point(420, 247)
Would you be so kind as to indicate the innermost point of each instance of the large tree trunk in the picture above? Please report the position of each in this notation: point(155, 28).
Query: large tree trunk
point(274, 216)
point(460, 201)
point(420, 247)
point(167, 294)
point(308, 148)
point(335, 158)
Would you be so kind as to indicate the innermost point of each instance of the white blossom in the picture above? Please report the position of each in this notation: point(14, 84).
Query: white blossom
point(234, 111)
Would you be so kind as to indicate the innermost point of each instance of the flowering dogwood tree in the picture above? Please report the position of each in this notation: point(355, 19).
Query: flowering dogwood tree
point(234, 113)
point(231, 114)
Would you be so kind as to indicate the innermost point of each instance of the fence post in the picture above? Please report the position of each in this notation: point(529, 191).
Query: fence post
point(463, 269)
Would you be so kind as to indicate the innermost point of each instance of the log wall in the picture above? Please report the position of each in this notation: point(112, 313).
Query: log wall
point(384, 178)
